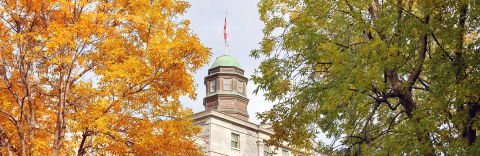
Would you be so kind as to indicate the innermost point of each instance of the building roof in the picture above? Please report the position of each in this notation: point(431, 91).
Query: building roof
point(226, 60)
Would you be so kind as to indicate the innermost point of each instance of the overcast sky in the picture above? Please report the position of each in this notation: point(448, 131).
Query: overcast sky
point(244, 33)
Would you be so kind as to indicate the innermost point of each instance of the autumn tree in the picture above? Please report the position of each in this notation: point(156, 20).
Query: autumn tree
point(83, 76)
point(379, 77)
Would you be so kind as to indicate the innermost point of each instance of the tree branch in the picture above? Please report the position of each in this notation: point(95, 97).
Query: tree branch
point(441, 47)
point(416, 72)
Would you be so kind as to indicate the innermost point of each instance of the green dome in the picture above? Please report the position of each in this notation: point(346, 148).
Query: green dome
point(225, 60)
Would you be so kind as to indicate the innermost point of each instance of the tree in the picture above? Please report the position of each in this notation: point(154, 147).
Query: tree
point(96, 76)
point(378, 77)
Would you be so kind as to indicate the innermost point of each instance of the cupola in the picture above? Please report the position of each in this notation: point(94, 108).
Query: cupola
point(226, 88)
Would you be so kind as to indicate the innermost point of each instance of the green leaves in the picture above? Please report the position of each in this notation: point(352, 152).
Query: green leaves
point(382, 77)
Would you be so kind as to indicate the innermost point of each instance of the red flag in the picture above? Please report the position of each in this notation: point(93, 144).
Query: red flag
point(225, 33)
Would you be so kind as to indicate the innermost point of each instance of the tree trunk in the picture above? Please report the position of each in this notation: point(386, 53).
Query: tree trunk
point(471, 108)
point(6, 141)
point(59, 133)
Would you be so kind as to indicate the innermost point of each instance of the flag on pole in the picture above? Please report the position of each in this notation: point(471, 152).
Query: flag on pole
point(225, 33)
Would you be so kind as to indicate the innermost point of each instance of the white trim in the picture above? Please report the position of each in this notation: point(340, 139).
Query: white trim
point(237, 149)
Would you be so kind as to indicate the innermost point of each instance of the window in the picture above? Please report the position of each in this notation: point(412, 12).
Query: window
point(284, 153)
point(235, 140)
point(213, 86)
point(227, 84)
point(240, 86)
point(266, 151)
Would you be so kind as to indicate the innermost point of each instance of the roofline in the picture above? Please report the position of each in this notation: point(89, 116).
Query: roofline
point(224, 116)
point(225, 66)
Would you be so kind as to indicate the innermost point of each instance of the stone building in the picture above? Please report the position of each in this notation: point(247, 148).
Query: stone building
point(226, 129)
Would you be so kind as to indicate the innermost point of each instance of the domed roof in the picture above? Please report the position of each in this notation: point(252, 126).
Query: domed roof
point(225, 60)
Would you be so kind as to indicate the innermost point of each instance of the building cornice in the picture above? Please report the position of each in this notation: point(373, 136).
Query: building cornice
point(224, 74)
point(223, 116)
point(226, 94)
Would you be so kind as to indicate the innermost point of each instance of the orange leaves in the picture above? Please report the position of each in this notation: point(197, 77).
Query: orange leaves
point(108, 72)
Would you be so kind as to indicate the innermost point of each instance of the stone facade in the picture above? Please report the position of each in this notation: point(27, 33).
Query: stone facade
point(216, 137)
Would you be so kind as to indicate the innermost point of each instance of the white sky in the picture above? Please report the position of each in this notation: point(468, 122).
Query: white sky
point(244, 33)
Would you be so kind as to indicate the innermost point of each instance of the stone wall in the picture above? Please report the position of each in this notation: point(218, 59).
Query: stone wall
point(217, 133)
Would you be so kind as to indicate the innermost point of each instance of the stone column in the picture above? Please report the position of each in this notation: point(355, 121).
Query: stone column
point(260, 145)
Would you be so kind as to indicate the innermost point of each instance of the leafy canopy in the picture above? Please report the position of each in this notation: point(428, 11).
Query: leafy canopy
point(379, 77)
point(97, 76)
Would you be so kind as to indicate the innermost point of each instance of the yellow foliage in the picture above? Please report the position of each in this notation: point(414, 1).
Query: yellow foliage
point(97, 75)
